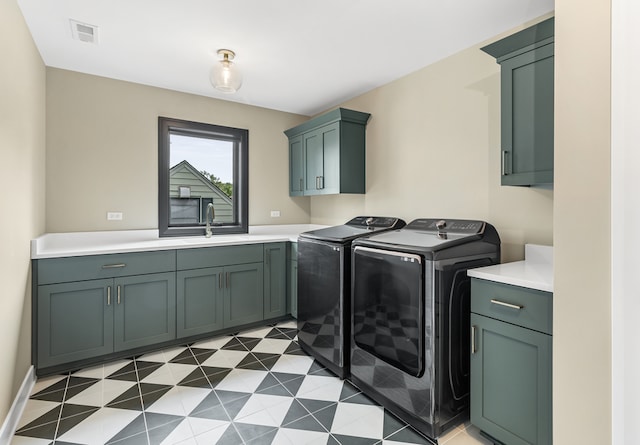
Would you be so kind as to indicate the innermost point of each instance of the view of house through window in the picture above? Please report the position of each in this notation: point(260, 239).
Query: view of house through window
point(202, 164)
point(200, 173)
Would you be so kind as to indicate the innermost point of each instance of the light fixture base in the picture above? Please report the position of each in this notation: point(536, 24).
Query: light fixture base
point(227, 54)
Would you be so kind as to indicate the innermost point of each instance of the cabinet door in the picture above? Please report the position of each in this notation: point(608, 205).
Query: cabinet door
point(275, 280)
point(199, 301)
point(243, 296)
point(511, 382)
point(145, 311)
point(314, 165)
point(527, 117)
point(296, 167)
point(74, 321)
point(331, 158)
point(322, 160)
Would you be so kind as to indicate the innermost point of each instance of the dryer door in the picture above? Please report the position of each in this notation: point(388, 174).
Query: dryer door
point(388, 313)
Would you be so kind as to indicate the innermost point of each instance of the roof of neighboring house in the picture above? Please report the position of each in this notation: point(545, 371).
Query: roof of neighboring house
point(185, 165)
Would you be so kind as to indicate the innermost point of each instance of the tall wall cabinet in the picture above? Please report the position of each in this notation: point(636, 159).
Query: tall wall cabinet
point(526, 104)
point(327, 154)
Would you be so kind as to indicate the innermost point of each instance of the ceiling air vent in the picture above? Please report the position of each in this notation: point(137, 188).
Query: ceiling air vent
point(84, 32)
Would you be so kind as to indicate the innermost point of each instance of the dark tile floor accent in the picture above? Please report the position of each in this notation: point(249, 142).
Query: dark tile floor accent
point(255, 387)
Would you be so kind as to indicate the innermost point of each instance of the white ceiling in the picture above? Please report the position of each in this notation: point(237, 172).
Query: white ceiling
point(300, 56)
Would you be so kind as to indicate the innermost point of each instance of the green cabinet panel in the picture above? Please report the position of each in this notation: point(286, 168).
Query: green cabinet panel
point(74, 321)
point(527, 65)
point(536, 306)
point(200, 298)
point(244, 294)
point(145, 311)
point(292, 279)
point(511, 382)
point(511, 362)
point(203, 257)
point(296, 166)
point(81, 268)
point(327, 154)
point(86, 319)
point(275, 280)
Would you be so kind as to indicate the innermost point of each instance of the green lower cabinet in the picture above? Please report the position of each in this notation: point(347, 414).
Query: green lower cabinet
point(275, 280)
point(75, 321)
point(511, 382)
point(200, 299)
point(85, 319)
point(145, 310)
point(244, 294)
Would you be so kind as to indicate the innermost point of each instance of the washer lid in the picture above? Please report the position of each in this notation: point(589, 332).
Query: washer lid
point(429, 235)
point(358, 227)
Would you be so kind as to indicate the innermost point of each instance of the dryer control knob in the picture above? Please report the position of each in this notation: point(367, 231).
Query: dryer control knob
point(441, 224)
point(369, 221)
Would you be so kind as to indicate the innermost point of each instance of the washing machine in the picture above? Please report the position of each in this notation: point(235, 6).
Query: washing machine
point(324, 283)
point(411, 314)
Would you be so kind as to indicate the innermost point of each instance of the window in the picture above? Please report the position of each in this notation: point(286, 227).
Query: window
point(201, 164)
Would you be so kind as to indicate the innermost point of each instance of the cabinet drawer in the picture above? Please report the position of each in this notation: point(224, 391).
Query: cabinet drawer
point(219, 256)
point(524, 307)
point(81, 268)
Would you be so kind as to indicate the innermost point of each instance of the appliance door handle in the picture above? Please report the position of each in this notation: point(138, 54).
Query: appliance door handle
point(509, 305)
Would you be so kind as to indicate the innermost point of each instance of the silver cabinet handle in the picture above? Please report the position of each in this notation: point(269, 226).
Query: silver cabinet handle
point(317, 178)
point(108, 295)
point(228, 280)
point(114, 266)
point(118, 293)
point(321, 178)
point(301, 184)
point(504, 163)
point(474, 349)
point(219, 280)
point(509, 305)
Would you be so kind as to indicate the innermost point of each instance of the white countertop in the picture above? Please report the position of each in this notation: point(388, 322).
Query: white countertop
point(535, 272)
point(55, 245)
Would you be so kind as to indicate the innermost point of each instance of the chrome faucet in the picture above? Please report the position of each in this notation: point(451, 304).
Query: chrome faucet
point(208, 232)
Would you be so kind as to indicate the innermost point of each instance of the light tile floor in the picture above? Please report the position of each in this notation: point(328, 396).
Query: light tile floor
point(254, 387)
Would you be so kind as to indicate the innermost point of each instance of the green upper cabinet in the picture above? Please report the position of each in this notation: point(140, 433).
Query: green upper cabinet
point(327, 154)
point(526, 87)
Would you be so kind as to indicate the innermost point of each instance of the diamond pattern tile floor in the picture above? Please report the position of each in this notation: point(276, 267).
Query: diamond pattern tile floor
point(256, 387)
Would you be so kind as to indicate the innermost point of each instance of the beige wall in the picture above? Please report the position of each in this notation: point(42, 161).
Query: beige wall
point(582, 297)
point(22, 156)
point(102, 152)
point(433, 150)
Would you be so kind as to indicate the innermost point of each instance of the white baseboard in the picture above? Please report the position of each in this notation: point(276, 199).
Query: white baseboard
point(15, 412)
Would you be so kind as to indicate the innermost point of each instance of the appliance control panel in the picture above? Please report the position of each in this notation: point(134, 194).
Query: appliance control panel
point(461, 226)
point(376, 222)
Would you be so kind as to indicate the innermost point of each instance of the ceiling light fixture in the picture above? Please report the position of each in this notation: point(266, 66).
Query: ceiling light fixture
point(224, 74)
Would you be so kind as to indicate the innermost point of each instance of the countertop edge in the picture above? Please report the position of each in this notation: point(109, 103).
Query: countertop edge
point(59, 245)
point(534, 272)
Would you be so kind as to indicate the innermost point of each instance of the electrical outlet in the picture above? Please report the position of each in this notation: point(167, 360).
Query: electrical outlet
point(275, 213)
point(114, 216)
